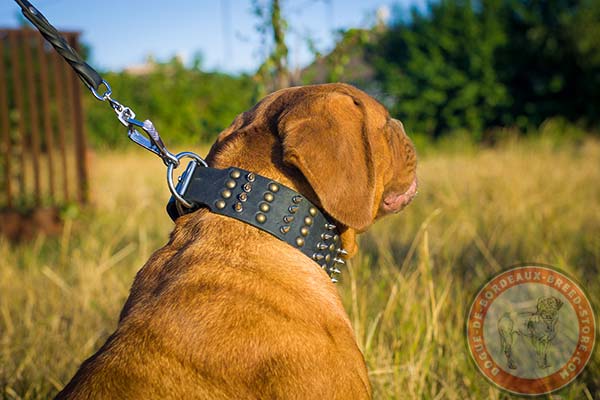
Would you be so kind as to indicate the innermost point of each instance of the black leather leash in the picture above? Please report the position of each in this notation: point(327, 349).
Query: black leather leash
point(236, 193)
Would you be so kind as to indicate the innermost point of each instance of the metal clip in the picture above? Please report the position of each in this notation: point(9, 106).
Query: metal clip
point(153, 142)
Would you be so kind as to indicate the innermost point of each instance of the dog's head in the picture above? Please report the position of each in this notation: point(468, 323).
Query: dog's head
point(547, 307)
point(333, 143)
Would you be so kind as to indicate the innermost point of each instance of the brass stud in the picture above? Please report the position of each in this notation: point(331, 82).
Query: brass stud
point(220, 204)
point(269, 197)
point(264, 207)
point(238, 207)
point(288, 218)
point(304, 231)
point(324, 266)
point(284, 229)
point(247, 187)
point(273, 187)
point(293, 209)
point(308, 221)
point(261, 218)
point(327, 258)
point(242, 197)
point(299, 241)
point(297, 199)
point(226, 193)
point(312, 211)
point(336, 238)
point(230, 184)
point(331, 247)
point(235, 174)
point(251, 177)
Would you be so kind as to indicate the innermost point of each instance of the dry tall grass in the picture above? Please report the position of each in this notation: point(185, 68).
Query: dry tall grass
point(406, 293)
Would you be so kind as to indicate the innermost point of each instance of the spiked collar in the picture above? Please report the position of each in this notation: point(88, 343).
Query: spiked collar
point(265, 204)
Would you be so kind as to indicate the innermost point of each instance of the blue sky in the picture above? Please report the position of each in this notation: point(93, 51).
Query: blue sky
point(124, 32)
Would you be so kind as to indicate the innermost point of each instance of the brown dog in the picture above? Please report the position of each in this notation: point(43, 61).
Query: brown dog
point(227, 311)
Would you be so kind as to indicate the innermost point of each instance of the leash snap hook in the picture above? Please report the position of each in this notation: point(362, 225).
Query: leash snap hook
point(153, 142)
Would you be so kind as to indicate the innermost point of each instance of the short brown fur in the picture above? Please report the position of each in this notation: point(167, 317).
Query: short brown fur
point(225, 310)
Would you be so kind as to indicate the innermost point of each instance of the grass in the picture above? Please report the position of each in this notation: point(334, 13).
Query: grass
point(407, 292)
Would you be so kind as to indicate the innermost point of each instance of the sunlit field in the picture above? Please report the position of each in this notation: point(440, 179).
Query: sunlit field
point(407, 292)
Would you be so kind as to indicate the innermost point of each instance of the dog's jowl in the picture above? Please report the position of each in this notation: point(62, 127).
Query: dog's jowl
point(228, 310)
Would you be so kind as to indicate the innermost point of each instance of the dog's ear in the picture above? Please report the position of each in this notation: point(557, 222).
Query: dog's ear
point(559, 304)
point(325, 136)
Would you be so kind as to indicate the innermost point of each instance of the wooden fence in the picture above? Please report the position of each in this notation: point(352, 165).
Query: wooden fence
point(42, 139)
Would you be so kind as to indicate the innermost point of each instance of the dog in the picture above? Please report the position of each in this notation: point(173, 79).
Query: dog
point(228, 311)
point(538, 326)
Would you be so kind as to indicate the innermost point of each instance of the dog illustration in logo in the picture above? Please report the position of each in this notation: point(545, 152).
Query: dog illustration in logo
point(538, 326)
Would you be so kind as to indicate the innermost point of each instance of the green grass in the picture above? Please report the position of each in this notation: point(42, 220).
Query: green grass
point(407, 291)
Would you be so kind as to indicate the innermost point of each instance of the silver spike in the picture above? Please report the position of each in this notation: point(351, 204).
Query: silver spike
point(293, 208)
point(342, 252)
point(321, 246)
point(326, 236)
point(334, 280)
point(330, 227)
point(297, 199)
point(335, 271)
point(317, 256)
point(337, 260)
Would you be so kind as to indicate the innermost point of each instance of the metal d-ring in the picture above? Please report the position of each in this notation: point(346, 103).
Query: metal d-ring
point(170, 169)
point(106, 94)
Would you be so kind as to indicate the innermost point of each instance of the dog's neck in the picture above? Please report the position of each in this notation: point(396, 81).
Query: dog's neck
point(264, 204)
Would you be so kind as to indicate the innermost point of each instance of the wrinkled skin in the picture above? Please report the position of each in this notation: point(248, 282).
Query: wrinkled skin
point(225, 310)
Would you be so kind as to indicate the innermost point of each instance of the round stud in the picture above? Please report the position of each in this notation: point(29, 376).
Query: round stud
point(242, 197)
point(247, 187)
point(304, 231)
point(235, 174)
point(264, 207)
point(230, 184)
point(261, 218)
point(220, 204)
point(273, 187)
point(238, 207)
point(312, 211)
point(328, 258)
point(269, 197)
point(308, 221)
point(299, 241)
point(226, 193)
point(251, 177)
point(336, 238)
point(331, 247)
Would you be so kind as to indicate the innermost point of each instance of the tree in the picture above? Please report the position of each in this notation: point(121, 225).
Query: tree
point(438, 67)
point(273, 74)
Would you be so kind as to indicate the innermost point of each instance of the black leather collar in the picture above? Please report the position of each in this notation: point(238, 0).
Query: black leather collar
point(265, 204)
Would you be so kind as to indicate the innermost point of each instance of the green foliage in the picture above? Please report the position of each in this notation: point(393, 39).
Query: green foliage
point(476, 65)
point(439, 67)
point(187, 106)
